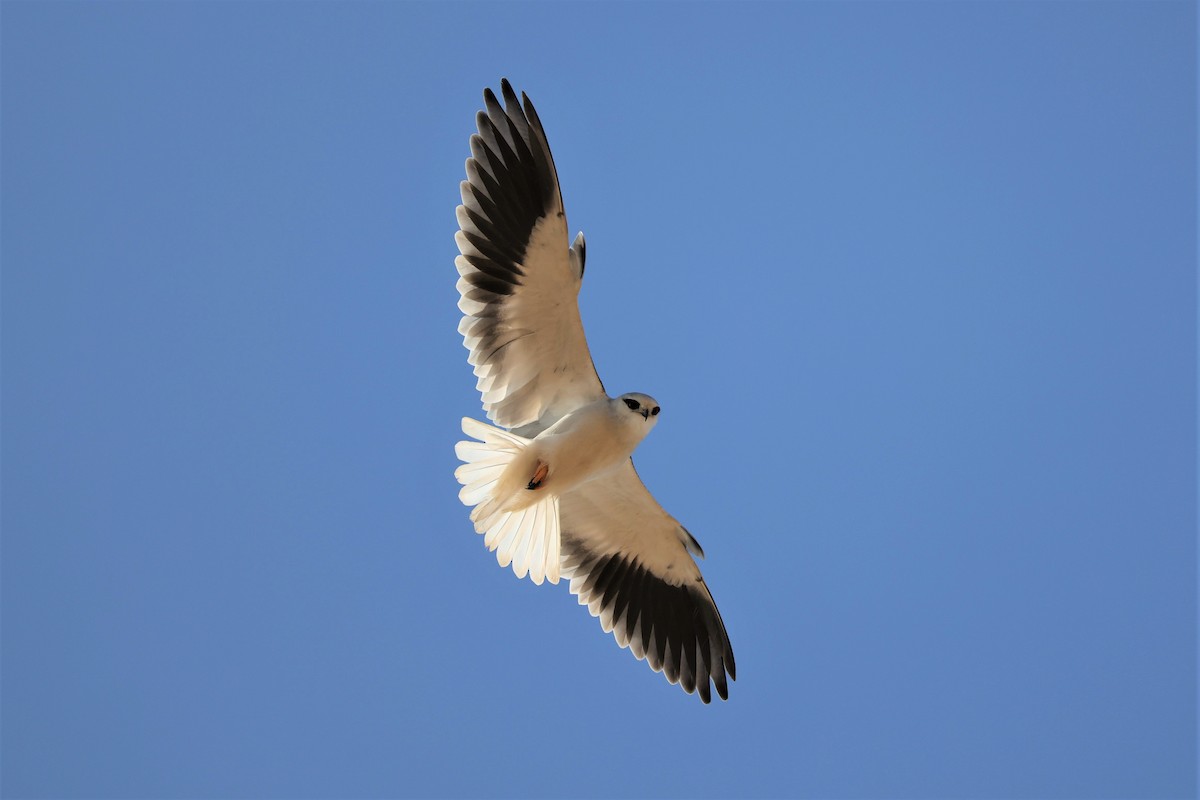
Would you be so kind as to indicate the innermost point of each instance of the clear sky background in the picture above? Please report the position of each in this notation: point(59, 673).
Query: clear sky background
point(915, 284)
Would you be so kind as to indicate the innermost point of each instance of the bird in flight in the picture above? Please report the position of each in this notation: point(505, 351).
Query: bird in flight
point(553, 490)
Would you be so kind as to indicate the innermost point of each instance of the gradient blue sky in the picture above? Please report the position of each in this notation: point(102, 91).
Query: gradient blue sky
point(915, 285)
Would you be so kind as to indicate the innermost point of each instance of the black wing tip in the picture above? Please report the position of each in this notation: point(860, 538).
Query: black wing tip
point(510, 96)
point(511, 103)
point(680, 630)
point(506, 91)
point(704, 688)
point(717, 680)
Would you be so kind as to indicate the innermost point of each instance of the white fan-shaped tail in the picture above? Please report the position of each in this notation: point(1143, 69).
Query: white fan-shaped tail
point(528, 537)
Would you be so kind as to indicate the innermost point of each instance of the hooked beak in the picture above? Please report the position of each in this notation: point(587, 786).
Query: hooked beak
point(645, 413)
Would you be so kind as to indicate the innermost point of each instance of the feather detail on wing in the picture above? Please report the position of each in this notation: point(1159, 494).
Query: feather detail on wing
point(519, 279)
point(629, 563)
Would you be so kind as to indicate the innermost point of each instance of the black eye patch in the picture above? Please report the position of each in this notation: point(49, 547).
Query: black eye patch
point(654, 411)
point(634, 405)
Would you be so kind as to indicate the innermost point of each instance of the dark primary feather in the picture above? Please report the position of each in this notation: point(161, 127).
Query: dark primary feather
point(678, 628)
point(510, 185)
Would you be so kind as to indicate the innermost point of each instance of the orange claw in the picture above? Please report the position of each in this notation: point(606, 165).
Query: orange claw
point(539, 475)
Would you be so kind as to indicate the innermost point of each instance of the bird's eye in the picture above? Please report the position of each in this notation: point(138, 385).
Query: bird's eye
point(654, 411)
point(634, 405)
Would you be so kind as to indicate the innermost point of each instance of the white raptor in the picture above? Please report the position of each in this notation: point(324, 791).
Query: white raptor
point(553, 489)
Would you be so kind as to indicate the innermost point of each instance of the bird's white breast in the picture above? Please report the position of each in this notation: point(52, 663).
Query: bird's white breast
point(588, 442)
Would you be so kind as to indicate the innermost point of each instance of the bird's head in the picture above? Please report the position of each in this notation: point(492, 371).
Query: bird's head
point(642, 406)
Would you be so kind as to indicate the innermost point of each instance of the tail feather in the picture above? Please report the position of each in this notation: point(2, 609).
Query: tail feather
point(525, 536)
point(474, 493)
point(546, 557)
point(491, 434)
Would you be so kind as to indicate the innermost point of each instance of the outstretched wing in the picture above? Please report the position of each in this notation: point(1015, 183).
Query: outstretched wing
point(519, 278)
point(629, 564)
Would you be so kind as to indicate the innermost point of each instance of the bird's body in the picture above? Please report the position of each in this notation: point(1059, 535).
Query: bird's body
point(515, 485)
point(553, 489)
point(587, 443)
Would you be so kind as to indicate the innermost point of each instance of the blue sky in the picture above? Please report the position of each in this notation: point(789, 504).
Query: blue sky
point(915, 284)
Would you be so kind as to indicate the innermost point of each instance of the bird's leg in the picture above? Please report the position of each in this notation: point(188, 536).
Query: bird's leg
point(539, 475)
